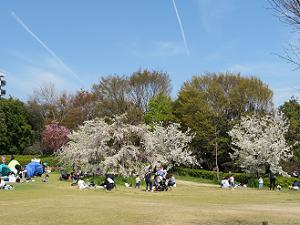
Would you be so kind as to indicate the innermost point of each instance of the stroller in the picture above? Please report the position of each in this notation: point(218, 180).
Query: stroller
point(109, 182)
point(160, 183)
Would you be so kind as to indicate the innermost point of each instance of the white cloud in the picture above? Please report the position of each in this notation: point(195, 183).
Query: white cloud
point(32, 72)
point(29, 78)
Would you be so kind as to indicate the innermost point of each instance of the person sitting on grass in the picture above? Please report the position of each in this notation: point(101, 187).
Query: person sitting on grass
point(295, 185)
point(225, 183)
point(5, 186)
point(74, 178)
point(2, 183)
point(171, 180)
point(81, 184)
point(278, 187)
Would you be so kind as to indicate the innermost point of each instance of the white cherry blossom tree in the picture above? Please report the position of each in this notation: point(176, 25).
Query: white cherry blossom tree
point(258, 143)
point(122, 148)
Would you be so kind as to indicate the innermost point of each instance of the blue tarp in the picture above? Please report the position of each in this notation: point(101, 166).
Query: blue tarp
point(34, 169)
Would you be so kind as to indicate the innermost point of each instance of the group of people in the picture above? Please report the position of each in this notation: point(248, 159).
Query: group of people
point(274, 185)
point(10, 173)
point(77, 179)
point(157, 180)
point(161, 181)
point(13, 172)
point(229, 182)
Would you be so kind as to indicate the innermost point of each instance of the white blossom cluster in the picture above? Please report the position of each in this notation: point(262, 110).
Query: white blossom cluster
point(122, 148)
point(258, 142)
point(171, 145)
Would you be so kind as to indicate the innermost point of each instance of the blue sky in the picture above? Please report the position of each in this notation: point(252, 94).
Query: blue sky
point(73, 43)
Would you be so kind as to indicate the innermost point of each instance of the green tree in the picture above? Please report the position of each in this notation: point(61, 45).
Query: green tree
point(16, 133)
point(291, 110)
point(159, 109)
point(211, 104)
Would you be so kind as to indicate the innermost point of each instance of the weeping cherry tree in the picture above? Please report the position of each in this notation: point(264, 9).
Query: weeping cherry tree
point(118, 147)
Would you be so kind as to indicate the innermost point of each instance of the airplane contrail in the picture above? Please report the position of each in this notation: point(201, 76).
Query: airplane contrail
point(52, 53)
point(181, 28)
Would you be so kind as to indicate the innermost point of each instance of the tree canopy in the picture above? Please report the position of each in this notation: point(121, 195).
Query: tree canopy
point(16, 133)
point(210, 104)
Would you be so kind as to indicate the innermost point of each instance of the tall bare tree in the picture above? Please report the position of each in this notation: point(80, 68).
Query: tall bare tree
point(52, 104)
point(145, 85)
point(111, 96)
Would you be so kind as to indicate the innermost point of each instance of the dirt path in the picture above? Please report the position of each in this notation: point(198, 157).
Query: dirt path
point(195, 184)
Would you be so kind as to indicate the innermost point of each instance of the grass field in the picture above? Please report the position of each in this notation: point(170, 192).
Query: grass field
point(58, 203)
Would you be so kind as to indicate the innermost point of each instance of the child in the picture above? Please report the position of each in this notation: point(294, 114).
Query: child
point(278, 187)
point(137, 182)
point(46, 179)
point(260, 183)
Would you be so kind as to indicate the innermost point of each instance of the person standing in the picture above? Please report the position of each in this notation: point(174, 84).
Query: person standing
point(148, 181)
point(3, 159)
point(231, 181)
point(260, 183)
point(272, 180)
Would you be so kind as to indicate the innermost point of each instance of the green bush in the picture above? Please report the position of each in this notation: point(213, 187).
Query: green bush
point(25, 159)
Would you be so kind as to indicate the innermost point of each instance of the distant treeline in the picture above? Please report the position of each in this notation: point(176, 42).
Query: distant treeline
point(209, 105)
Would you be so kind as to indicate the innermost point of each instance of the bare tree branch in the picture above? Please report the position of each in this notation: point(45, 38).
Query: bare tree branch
point(288, 11)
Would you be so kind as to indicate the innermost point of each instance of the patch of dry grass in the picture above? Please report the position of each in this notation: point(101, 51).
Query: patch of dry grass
point(58, 203)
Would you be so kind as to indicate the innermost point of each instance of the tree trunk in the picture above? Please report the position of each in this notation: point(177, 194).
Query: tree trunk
point(217, 166)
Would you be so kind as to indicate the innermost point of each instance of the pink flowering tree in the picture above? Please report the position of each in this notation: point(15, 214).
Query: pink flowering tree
point(54, 136)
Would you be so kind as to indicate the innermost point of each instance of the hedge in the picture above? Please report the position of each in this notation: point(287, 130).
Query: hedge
point(249, 179)
point(25, 159)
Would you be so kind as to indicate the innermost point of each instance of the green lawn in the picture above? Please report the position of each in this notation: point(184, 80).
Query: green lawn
point(190, 203)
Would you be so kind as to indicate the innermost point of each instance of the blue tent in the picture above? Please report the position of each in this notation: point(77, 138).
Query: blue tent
point(34, 169)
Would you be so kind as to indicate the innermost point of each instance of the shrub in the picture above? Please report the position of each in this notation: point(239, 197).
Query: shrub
point(25, 159)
